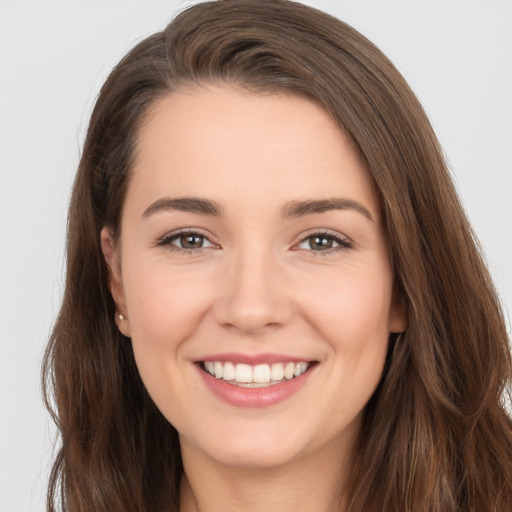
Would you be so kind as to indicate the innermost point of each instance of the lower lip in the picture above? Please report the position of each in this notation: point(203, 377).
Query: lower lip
point(254, 397)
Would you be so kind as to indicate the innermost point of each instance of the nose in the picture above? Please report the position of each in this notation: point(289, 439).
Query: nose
point(254, 295)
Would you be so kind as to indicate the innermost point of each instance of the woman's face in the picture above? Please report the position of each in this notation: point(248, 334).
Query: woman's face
point(252, 248)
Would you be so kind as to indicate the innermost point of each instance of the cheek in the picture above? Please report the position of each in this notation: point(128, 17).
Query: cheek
point(164, 309)
point(353, 320)
point(353, 310)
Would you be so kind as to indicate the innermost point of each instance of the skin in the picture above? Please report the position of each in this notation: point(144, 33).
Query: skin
point(258, 284)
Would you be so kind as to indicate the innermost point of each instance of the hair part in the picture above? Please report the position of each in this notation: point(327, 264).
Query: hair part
point(439, 402)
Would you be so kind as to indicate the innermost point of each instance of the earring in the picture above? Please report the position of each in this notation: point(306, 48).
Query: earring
point(121, 317)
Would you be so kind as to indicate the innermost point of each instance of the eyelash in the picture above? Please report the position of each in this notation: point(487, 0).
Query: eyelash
point(344, 244)
point(167, 241)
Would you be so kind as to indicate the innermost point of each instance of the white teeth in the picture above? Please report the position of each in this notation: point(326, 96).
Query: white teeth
point(229, 371)
point(255, 376)
point(288, 371)
point(243, 373)
point(218, 370)
point(277, 372)
point(261, 373)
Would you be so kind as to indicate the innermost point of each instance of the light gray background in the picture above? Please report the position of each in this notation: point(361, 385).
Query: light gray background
point(54, 55)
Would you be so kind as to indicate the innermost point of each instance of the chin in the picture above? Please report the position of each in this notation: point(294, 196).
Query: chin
point(257, 456)
point(250, 448)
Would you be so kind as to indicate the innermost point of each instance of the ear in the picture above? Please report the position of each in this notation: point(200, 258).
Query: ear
point(397, 321)
point(111, 255)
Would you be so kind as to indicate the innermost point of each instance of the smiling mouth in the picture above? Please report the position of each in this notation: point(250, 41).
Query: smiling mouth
point(257, 376)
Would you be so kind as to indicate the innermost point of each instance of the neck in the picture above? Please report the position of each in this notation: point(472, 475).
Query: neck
point(312, 482)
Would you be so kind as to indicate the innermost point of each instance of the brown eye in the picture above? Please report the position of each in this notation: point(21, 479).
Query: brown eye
point(191, 241)
point(185, 241)
point(325, 243)
point(321, 243)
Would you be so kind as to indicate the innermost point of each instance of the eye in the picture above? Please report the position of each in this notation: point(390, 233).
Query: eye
point(186, 241)
point(324, 242)
point(189, 241)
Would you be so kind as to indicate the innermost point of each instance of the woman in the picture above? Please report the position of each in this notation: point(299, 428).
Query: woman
point(273, 299)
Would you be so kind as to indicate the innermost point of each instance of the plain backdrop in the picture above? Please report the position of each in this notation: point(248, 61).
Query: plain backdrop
point(54, 55)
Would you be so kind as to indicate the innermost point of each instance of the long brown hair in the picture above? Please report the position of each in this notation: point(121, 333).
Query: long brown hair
point(436, 436)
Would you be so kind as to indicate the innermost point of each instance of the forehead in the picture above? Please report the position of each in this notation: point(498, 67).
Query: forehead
point(226, 143)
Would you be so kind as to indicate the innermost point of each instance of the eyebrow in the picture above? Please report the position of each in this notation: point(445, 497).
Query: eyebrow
point(293, 209)
point(301, 208)
point(185, 204)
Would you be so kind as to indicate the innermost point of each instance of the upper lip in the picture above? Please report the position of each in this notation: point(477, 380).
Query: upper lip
point(254, 359)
